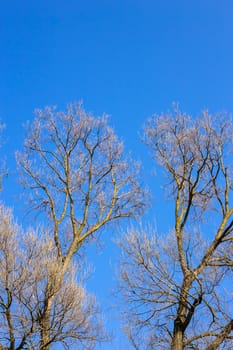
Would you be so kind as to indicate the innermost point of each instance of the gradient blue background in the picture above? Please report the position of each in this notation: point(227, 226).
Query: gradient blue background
point(129, 59)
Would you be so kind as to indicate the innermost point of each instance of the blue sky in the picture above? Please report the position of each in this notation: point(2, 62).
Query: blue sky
point(129, 59)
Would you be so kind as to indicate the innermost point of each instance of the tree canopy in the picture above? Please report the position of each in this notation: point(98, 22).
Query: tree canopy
point(175, 286)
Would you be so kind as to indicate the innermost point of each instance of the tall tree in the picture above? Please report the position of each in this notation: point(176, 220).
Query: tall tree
point(76, 171)
point(176, 287)
point(28, 259)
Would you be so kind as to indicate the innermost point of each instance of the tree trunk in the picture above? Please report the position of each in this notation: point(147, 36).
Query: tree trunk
point(183, 318)
point(178, 336)
point(45, 326)
point(52, 288)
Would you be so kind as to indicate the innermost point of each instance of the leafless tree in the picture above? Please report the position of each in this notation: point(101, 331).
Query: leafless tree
point(178, 287)
point(75, 170)
point(27, 261)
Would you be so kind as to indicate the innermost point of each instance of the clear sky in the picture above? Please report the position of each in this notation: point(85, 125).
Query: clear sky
point(129, 59)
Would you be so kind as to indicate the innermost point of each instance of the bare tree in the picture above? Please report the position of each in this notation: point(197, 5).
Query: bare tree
point(28, 260)
point(77, 173)
point(177, 287)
